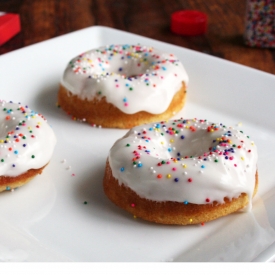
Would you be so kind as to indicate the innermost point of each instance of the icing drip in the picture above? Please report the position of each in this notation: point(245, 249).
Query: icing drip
point(26, 139)
point(188, 161)
point(131, 77)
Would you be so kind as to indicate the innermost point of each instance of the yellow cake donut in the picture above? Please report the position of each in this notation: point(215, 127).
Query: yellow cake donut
point(182, 171)
point(122, 86)
point(26, 144)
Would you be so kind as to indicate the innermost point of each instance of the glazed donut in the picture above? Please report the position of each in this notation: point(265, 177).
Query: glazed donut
point(26, 144)
point(182, 171)
point(122, 86)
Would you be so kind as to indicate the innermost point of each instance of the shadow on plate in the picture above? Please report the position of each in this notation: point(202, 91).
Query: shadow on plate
point(46, 102)
point(90, 190)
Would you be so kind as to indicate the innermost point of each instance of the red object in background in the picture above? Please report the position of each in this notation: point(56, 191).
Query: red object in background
point(188, 22)
point(9, 26)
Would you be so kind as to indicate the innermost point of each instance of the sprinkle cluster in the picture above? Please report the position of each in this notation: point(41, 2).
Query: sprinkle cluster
point(97, 63)
point(127, 68)
point(19, 129)
point(163, 149)
point(260, 24)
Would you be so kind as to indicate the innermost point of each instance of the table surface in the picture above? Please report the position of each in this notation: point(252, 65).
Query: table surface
point(45, 19)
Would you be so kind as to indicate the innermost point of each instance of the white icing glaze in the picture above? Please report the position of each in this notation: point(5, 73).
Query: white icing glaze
point(132, 78)
point(188, 161)
point(26, 139)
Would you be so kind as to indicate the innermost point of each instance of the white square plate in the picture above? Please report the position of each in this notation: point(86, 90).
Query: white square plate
point(47, 220)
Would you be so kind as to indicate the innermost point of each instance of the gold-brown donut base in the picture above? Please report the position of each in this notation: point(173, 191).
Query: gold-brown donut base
point(101, 113)
point(9, 183)
point(169, 212)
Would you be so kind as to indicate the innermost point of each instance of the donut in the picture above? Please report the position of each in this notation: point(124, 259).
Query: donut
point(122, 86)
point(183, 171)
point(26, 144)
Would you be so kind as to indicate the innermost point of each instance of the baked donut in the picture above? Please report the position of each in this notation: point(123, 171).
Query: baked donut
point(122, 86)
point(26, 144)
point(182, 171)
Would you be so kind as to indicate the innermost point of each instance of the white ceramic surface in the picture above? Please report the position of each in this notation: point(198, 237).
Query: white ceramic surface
point(47, 219)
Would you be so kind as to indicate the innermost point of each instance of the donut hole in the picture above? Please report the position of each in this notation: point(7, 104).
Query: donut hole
point(193, 145)
point(183, 145)
point(132, 68)
point(126, 65)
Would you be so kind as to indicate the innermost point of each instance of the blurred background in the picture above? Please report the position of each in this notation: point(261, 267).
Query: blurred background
point(224, 38)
